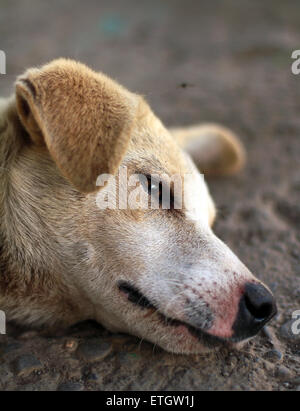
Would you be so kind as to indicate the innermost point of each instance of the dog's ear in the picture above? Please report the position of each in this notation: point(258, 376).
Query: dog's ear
point(214, 149)
point(84, 118)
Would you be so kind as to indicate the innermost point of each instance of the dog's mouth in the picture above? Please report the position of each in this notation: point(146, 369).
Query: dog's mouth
point(138, 299)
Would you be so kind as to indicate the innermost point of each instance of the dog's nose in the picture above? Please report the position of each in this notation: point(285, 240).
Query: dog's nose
point(257, 306)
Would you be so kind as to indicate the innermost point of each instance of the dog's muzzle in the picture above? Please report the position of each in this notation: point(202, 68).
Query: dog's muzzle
point(256, 307)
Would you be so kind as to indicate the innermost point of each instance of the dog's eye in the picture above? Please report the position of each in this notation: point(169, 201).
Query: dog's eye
point(154, 188)
point(160, 193)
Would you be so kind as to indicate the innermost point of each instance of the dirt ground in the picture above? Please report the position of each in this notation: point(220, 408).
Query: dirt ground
point(228, 62)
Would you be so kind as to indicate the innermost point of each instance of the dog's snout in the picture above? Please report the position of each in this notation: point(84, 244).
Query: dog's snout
point(257, 306)
point(259, 302)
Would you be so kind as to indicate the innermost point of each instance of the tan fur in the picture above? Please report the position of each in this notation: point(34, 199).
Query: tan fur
point(214, 148)
point(99, 116)
point(60, 257)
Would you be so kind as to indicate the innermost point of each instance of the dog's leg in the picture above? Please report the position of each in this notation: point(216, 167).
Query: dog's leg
point(215, 149)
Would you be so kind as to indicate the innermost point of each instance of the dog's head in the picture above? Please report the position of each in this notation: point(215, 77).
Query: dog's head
point(156, 272)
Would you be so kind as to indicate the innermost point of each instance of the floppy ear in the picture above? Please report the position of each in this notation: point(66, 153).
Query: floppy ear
point(84, 118)
point(214, 149)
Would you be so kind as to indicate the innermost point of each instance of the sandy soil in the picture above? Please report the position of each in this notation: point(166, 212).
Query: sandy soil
point(235, 62)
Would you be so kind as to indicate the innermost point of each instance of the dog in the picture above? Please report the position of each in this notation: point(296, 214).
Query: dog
point(159, 274)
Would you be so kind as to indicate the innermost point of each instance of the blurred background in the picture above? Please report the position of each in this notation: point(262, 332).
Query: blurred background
point(233, 57)
point(222, 61)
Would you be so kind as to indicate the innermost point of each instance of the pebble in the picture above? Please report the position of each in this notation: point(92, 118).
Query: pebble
point(26, 364)
point(273, 355)
point(94, 350)
point(92, 377)
point(269, 334)
point(71, 345)
point(284, 374)
point(287, 334)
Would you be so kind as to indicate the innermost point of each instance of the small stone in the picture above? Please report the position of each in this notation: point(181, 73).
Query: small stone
point(71, 345)
point(94, 350)
point(284, 374)
point(269, 334)
point(70, 386)
point(274, 355)
point(25, 365)
point(92, 377)
point(286, 332)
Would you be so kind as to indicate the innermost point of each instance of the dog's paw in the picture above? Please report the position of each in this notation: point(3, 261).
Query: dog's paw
point(215, 149)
